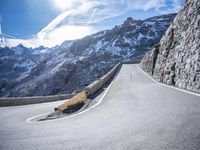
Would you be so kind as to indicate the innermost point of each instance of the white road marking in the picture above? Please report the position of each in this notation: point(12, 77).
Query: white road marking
point(173, 87)
point(74, 115)
point(101, 99)
point(29, 119)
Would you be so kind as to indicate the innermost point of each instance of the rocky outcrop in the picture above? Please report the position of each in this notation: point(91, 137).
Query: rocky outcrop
point(176, 59)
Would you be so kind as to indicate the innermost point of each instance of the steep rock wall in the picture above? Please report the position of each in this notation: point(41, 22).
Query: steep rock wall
point(176, 59)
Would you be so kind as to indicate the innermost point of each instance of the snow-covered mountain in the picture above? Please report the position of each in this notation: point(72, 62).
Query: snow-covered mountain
point(75, 64)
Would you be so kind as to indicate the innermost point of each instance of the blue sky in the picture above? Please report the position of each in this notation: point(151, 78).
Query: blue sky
point(50, 22)
point(26, 17)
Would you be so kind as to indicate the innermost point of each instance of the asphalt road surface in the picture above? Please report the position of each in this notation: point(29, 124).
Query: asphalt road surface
point(135, 114)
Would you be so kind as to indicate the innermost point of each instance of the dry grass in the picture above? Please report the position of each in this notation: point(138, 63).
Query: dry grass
point(79, 98)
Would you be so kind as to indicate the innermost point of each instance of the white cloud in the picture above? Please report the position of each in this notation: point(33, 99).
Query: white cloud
point(68, 32)
point(92, 16)
point(66, 4)
point(74, 23)
point(52, 25)
point(78, 17)
point(81, 13)
point(174, 6)
point(145, 4)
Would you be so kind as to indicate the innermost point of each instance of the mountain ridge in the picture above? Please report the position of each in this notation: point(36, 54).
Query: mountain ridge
point(73, 65)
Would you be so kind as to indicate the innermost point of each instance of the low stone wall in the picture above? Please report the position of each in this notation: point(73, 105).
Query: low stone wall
point(90, 89)
point(14, 101)
point(95, 86)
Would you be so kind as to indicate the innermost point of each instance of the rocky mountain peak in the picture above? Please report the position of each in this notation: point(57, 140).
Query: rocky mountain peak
point(130, 21)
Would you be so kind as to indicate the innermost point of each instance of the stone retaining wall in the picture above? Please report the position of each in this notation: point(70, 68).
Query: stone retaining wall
point(90, 89)
point(14, 101)
point(95, 86)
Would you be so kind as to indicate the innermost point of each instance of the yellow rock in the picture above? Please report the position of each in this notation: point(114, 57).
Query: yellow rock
point(80, 97)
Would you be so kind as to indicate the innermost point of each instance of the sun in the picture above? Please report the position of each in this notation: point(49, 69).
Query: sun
point(63, 4)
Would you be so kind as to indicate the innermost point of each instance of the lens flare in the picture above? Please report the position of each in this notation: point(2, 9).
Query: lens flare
point(63, 4)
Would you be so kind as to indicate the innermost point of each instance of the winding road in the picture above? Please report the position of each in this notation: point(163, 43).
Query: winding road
point(135, 113)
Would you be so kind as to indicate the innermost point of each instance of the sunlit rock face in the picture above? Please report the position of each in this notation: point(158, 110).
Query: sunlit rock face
point(176, 59)
point(75, 64)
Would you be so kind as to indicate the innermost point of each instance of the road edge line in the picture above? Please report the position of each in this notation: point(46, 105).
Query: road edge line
point(173, 87)
point(28, 120)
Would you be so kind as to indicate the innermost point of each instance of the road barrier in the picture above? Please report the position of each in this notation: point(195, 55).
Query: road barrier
point(95, 86)
point(89, 90)
point(72, 99)
point(14, 101)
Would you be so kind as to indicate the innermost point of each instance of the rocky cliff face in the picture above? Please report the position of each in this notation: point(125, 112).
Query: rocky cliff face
point(75, 64)
point(176, 59)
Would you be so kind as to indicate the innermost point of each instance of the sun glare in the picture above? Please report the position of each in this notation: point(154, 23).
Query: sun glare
point(63, 4)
